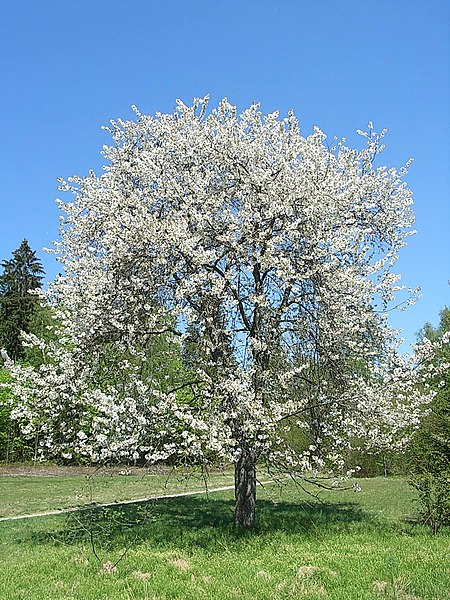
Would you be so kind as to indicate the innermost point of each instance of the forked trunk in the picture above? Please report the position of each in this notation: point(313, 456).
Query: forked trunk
point(245, 489)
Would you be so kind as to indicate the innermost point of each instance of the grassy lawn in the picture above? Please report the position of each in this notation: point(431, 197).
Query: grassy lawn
point(349, 545)
point(20, 495)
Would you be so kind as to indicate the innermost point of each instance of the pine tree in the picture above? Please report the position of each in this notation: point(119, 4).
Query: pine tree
point(21, 274)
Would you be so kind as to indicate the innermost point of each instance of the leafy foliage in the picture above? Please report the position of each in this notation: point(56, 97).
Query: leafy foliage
point(21, 312)
point(434, 498)
point(21, 275)
point(14, 445)
point(430, 447)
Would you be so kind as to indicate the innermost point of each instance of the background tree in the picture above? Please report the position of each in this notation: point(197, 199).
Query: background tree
point(22, 274)
point(20, 311)
point(430, 446)
point(267, 250)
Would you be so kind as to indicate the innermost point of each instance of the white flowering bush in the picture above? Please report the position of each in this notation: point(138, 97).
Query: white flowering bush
point(430, 446)
point(277, 249)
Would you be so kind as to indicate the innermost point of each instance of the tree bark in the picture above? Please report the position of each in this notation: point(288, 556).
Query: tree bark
point(245, 489)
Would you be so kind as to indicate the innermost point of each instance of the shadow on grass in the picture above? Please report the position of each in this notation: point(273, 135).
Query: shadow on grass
point(187, 522)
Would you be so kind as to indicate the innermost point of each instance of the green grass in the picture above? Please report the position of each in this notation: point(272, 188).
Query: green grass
point(348, 546)
point(20, 495)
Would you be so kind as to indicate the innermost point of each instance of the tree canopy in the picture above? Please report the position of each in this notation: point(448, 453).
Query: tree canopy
point(271, 252)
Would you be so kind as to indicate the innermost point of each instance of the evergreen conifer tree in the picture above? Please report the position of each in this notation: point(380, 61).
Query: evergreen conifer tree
point(21, 274)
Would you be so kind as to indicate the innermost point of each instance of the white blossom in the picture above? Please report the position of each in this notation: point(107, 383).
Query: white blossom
point(276, 247)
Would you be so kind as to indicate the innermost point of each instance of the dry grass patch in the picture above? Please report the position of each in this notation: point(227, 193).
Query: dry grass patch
point(181, 564)
point(264, 575)
point(396, 590)
point(141, 576)
point(107, 568)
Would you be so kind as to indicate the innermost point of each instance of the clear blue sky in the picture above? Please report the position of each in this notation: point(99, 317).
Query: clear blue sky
point(69, 66)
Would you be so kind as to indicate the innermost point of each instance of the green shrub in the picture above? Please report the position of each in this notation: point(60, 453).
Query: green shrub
point(434, 499)
point(14, 446)
point(430, 446)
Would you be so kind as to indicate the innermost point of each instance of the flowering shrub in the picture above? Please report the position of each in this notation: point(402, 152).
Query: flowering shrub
point(430, 446)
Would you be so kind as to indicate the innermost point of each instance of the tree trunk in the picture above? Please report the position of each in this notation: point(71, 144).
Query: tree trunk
point(245, 489)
